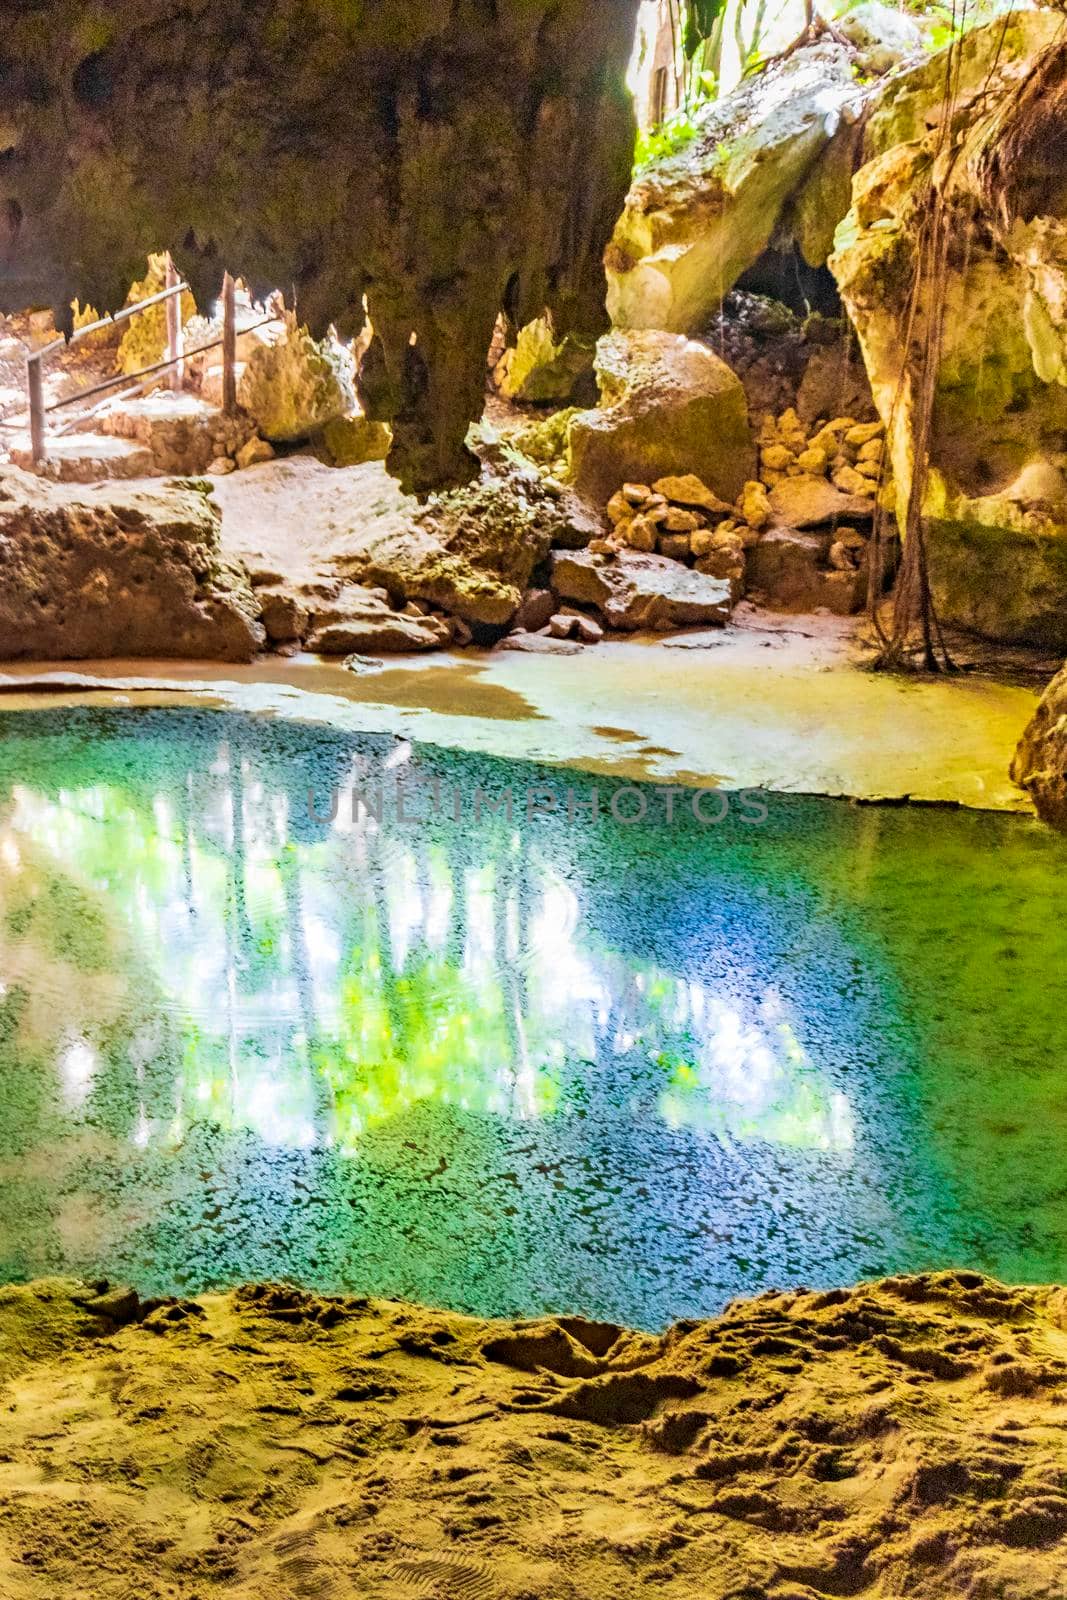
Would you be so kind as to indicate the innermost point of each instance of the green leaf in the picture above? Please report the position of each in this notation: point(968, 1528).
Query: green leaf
point(700, 19)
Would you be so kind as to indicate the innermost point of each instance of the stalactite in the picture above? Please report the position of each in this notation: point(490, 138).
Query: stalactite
point(439, 160)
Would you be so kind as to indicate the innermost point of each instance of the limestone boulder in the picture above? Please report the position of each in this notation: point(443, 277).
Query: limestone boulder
point(361, 620)
point(471, 552)
point(296, 385)
point(350, 441)
point(668, 407)
point(633, 590)
point(905, 106)
point(810, 502)
point(116, 571)
point(883, 36)
point(789, 570)
point(282, 612)
point(542, 368)
point(1040, 765)
point(696, 219)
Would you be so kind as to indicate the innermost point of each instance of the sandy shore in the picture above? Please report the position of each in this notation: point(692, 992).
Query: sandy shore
point(900, 1439)
point(780, 703)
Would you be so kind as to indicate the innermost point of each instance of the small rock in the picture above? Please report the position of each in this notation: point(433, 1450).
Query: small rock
point(619, 508)
point(777, 457)
point(722, 564)
point(675, 546)
point(536, 611)
point(851, 538)
point(561, 626)
point(702, 541)
point(677, 521)
point(255, 451)
point(863, 433)
point(221, 466)
point(755, 505)
point(849, 481)
point(540, 644)
point(461, 634)
point(869, 469)
point(873, 450)
point(813, 460)
point(360, 663)
point(602, 547)
point(636, 493)
point(829, 436)
point(589, 630)
point(641, 534)
point(841, 558)
point(689, 490)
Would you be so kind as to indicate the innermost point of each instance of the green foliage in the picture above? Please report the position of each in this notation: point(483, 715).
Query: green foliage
point(671, 137)
point(699, 24)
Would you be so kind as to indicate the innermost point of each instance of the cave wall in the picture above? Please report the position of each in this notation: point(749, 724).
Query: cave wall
point(442, 160)
point(995, 490)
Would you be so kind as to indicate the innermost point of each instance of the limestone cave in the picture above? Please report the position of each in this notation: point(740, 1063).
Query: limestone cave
point(533, 796)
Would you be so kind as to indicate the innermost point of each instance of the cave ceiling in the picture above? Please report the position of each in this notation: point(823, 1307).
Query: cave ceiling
point(443, 161)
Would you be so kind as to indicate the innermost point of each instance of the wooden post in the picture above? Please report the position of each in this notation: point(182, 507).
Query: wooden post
point(229, 347)
point(35, 390)
point(174, 330)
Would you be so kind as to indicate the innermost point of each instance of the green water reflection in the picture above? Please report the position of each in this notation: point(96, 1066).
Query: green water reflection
point(508, 1065)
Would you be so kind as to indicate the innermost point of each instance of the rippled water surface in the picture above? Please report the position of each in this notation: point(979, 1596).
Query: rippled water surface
point(556, 1062)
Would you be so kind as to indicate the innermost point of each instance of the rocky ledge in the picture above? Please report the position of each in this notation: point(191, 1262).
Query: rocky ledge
point(899, 1438)
point(118, 571)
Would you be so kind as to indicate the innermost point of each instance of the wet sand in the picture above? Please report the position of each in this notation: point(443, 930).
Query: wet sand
point(781, 703)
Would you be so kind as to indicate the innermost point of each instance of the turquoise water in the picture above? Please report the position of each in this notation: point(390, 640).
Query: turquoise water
point(557, 1062)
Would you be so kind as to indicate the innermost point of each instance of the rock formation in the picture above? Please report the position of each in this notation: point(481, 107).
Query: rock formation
point(539, 368)
point(295, 385)
point(441, 161)
point(813, 146)
point(116, 571)
point(667, 405)
point(1040, 765)
point(995, 499)
point(695, 220)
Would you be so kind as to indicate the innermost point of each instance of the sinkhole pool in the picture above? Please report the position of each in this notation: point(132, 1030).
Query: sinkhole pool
point(551, 1061)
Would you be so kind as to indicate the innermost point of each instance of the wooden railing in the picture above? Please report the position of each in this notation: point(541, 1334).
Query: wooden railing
point(174, 360)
